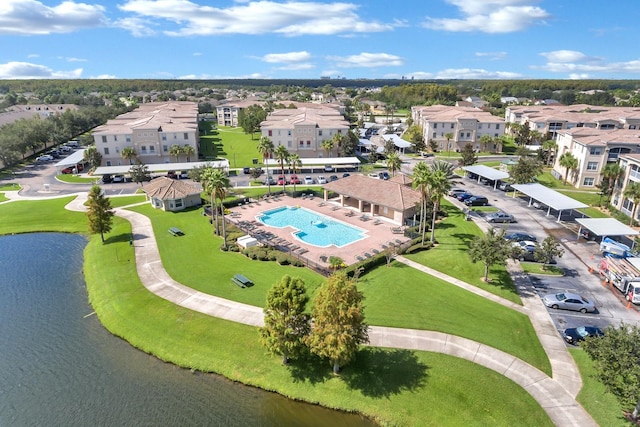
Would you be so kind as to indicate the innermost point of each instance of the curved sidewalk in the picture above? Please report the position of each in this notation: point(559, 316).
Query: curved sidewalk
point(557, 402)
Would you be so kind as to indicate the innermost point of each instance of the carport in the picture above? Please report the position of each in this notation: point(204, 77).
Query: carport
point(163, 167)
point(320, 162)
point(73, 159)
point(486, 172)
point(604, 227)
point(548, 197)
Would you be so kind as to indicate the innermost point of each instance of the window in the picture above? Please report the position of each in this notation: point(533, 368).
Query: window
point(435, 126)
point(592, 166)
point(117, 150)
point(434, 134)
point(106, 150)
point(104, 138)
point(468, 134)
point(164, 136)
point(186, 135)
point(320, 132)
point(289, 144)
point(115, 137)
point(108, 163)
point(178, 203)
point(165, 148)
point(289, 133)
point(308, 144)
point(127, 138)
point(632, 126)
point(339, 130)
point(588, 182)
point(495, 135)
point(595, 151)
point(480, 126)
point(270, 133)
point(451, 125)
point(301, 143)
point(152, 149)
point(497, 125)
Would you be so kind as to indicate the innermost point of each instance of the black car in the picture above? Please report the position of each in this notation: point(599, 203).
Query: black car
point(246, 171)
point(344, 175)
point(476, 201)
point(575, 335)
point(384, 175)
point(520, 237)
point(463, 196)
point(333, 178)
point(107, 178)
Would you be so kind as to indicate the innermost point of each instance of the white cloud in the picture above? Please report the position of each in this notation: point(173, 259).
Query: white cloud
point(494, 56)
point(578, 65)
point(582, 76)
point(27, 17)
point(103, 77)
point(136, 26)
point(490, 16)
point(475, 73)
point(72, 59)
point(290, 18)
point(287, 57)
point(366, 59)
point(26, 70)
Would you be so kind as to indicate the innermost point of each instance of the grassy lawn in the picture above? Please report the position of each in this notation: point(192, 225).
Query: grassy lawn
point(119, 201)
point(394, 387)
point(550, 181)
point(232, 144)
point(10, 187)
point(33, 215)
point(77, 179)
point(450, 256)
point(602, 406)
point(403, 297)
point(3, 197)
point(536, 268)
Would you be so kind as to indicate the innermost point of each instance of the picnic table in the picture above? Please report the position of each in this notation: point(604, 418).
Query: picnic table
point(175, 231)
point(241, 280)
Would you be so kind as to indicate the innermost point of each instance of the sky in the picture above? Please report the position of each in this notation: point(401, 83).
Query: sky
point(298, 39)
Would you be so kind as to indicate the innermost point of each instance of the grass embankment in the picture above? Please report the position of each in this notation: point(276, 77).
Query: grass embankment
point(415, 300)
point(603, 406)
point(395, 387)
point(538, 268)
point(77, 179)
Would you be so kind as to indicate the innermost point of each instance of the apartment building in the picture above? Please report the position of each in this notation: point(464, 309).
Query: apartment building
point(228, 114)
point(593, 148)
point(549, 120)
point(303, 130)
point(454, 127)
point(631, 165)
point(150, 130)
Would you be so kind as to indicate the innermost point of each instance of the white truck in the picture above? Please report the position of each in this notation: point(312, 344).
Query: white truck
point(624, 274)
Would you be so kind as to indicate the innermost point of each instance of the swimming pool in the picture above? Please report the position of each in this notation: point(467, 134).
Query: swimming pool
point(313, 228)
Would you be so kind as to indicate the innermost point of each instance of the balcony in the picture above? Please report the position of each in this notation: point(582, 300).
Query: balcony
point(634, 175)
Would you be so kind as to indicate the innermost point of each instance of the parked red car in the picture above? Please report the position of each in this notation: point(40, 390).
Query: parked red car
point(293, 179)
point(68, 169)
point(282, 180)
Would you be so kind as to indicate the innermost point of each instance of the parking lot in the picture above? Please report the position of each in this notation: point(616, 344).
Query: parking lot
point(579, 255)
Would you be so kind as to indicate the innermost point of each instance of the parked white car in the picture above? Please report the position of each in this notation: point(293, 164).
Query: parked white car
point(308, 180)
point(44, 158)
point(322, 180)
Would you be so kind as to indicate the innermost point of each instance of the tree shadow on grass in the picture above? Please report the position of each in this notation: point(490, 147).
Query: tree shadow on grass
point(118, 238)
point(466, 238)
point(502, 279)
point(310, 368)
point(382, 373)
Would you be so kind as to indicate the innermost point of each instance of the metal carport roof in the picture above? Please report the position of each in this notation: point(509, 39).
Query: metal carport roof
point(162, 167)
point(72, 159)
point(486, 172)
point(548, 197)
point(606, 227)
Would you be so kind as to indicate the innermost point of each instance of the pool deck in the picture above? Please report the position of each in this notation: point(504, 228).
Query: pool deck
point(378, 230)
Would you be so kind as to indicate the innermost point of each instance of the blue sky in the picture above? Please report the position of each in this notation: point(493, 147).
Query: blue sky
point(420, 39)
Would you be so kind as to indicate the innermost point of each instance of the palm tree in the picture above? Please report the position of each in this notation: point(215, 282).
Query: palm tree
point(421, 176)
point(281, 155)
point(189, 151)
point(569, 162)
point(215, 182)
point(338, 141)
point(549, 146)
point(449, 137)
point(327, 145)
point(485, 140)
point(129, 153)
point(394, 162)
point(632, 192)
point(174, 151)
point(439, 184)
point(265, 148)
point(611, 173)
point(294, 164)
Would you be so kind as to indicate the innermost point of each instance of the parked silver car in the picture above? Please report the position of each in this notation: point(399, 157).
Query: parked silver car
point(569, 301)
point(500, 217)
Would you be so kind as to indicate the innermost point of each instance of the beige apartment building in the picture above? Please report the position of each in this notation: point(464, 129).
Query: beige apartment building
point(593, 148)
point(150, 130)
point(303, 130)
point(549, 120)
point(228, 114)
point(631, 165)
point(463, 125)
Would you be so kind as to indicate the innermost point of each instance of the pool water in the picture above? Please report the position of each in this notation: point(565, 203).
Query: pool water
point(313, 228)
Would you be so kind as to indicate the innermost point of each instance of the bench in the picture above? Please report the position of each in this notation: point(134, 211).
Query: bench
point(241, 280)
point(397, 230)
point(175, 231)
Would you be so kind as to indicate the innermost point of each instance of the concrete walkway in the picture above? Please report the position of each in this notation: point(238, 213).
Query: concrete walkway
point(555, 396)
